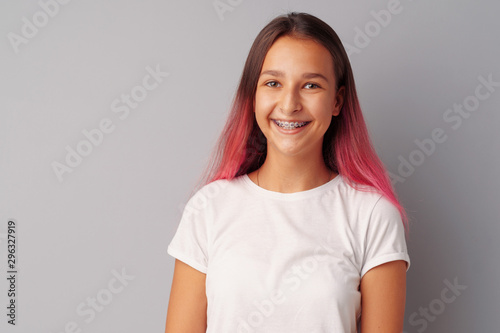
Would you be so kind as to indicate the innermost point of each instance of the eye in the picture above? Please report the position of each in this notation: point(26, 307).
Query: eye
point(272, 84)
point(312, 84)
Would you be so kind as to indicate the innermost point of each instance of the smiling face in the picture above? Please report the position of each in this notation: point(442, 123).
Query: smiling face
point(296, 84)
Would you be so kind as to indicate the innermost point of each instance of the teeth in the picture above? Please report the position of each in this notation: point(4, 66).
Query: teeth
point(289, 125)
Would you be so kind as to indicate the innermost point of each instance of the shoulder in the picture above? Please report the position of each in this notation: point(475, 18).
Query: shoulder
point(215, 192)
point(367, 204)
point(360, 196)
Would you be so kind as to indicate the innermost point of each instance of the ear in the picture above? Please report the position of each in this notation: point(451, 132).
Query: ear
point(339, 101)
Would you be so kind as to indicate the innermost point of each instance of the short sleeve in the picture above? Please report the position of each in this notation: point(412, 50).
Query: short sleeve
point(385, 237)
point(189, 243)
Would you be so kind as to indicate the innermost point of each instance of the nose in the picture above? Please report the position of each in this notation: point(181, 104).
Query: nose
point(290, 101)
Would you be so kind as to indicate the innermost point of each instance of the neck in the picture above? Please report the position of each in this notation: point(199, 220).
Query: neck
point(289, 175)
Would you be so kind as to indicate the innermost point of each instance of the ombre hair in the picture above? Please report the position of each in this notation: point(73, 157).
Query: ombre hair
point(347, 150)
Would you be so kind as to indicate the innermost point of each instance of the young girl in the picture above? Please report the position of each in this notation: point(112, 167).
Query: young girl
point(297, 227)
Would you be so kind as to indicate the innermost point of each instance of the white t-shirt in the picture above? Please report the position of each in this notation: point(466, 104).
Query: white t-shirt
point(286, 262)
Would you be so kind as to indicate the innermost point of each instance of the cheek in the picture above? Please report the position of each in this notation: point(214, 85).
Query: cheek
point(262, 109)
point(263, 100)
point(322, 107)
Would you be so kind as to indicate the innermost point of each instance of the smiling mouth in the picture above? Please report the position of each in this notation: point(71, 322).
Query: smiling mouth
point(290, 125)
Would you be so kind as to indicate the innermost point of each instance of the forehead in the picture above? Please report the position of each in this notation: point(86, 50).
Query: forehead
point(291, 54)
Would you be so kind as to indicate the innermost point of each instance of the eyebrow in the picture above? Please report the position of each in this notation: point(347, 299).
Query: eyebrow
point(306, 75)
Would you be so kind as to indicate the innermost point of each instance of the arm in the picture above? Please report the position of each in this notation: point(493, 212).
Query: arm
point(383, 296)
point(187, 307)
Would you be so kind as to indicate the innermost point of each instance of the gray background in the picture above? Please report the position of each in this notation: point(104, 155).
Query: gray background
point(119, 208)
